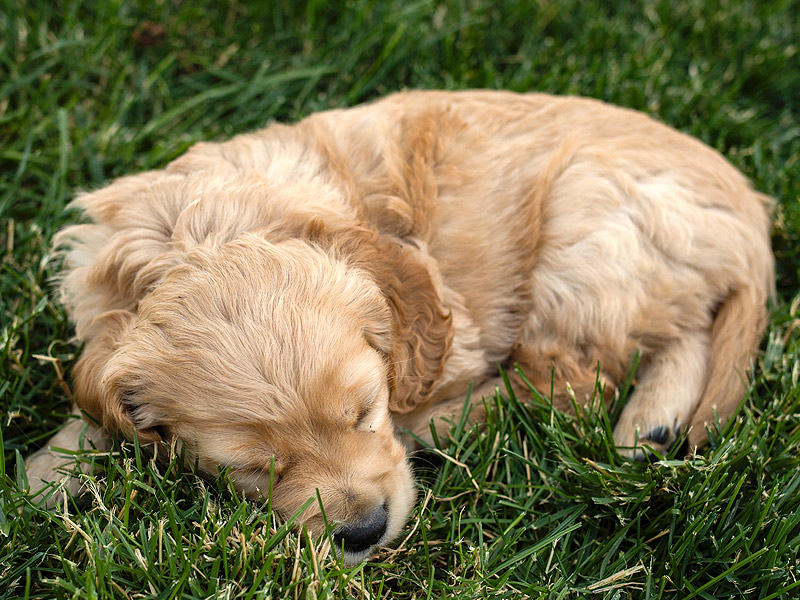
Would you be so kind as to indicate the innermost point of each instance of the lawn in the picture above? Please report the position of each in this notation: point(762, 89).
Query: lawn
point(538, 504)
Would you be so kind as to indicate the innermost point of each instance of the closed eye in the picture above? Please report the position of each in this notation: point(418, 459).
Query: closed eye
point(362, 415)
point(365, 409)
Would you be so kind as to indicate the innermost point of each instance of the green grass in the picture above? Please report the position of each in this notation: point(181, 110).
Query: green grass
point(538, 504)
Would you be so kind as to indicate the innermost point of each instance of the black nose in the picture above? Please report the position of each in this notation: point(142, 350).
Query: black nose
point(362, 535)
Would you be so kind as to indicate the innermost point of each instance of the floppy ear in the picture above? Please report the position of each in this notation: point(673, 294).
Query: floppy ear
point(107, 399)
point(421, 333)
point(110, 263)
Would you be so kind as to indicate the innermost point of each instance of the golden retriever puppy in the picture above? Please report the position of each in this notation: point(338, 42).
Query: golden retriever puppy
point(297, 298)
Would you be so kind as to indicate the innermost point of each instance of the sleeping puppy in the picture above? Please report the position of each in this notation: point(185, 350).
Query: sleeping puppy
point(299, 298)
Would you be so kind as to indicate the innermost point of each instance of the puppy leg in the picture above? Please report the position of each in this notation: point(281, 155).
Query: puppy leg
point(443, 415)
point(46, 465)
point(666, 395)
point(582, 386)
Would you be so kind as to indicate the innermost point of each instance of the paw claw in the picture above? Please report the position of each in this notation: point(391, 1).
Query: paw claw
point(658, 440)
point(660, 435)
point(662, 440)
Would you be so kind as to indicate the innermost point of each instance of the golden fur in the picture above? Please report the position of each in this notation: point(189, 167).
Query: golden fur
point(295, 296)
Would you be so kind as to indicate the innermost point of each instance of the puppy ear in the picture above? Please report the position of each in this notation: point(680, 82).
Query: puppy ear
point(111, 262)
point(99, 384)
point(421, 333)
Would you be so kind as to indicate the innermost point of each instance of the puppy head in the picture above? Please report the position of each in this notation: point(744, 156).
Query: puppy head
point(261, 356)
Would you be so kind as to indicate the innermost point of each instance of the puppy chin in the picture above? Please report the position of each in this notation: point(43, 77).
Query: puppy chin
point(350, 558)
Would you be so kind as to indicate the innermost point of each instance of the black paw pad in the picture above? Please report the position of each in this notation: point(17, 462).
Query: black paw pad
point(659, 435)
point(668, 440)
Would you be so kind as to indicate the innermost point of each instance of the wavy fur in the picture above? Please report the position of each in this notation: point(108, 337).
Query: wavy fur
point(295, 295)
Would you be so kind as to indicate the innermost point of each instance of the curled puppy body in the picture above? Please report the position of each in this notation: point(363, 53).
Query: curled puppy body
point(297, 296)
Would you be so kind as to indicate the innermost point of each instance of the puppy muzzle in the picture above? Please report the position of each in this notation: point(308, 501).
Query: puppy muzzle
point(359, 537)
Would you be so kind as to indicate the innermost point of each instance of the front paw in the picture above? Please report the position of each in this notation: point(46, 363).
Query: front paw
point(45, 467)
point(645, 442)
